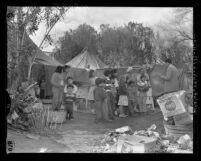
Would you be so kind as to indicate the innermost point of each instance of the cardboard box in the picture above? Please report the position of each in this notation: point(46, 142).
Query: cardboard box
point(172, 104)
point(138, 144)
point(183, 119)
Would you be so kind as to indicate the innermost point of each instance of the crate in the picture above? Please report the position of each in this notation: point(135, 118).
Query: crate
point(56, 116)
point(178, 130)
point(138, 144)
point(183, 119)
point(172, 104)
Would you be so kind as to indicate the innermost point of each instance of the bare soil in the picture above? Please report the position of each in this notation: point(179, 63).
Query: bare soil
point(82, 134)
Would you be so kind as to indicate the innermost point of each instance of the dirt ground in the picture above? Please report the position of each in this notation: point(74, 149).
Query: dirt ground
point(82, 134)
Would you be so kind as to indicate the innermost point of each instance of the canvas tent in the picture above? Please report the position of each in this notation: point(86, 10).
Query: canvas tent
point(79, 69)
point(44, 65)
point(86, 59)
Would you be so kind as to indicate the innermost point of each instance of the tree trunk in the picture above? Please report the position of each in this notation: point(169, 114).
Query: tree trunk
point(30, 67)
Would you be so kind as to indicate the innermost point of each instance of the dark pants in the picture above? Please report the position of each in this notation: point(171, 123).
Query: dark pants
point(131, 106)
point(42, 93)
point(101, 110)
point(69, 111)
point(111, 105)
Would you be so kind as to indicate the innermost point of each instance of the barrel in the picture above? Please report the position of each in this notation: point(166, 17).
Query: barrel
point(178, 130)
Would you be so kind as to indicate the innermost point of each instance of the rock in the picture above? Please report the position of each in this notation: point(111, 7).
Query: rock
point(31, 136)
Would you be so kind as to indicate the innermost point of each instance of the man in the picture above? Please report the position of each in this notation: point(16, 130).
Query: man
point(172, 77)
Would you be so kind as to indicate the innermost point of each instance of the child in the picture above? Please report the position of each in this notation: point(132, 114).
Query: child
point(142, 88)
point(132, 96)
point(99, 101)
point(68, 101)
point(149, 100)
point(69, 80)
point(123, 97)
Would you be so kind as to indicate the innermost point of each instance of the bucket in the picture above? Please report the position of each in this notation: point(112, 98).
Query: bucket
point(178, 130)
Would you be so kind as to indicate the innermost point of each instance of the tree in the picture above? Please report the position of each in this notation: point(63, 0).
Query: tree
point(181, 25)
point(74, 41)
point(25, 21)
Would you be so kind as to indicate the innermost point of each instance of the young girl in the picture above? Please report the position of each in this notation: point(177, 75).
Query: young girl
point(90, 96)
point(142, 88)
point(123, 97)
point(149, 100)
point(99, 101)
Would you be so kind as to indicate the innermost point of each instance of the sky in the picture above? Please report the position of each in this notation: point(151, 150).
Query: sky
point(95, 16)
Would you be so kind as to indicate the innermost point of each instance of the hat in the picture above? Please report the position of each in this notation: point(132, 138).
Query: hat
point(129, 69)
point(99, 81)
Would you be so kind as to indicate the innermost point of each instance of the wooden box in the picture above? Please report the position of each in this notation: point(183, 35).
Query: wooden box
point(183, 119)
point(56, 116)
point(172, 104)
point(138, 144)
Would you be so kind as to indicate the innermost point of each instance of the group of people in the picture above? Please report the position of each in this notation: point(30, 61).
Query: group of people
point(113, 97)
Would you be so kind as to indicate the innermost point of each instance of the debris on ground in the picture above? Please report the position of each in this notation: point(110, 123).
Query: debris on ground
point(124, 140)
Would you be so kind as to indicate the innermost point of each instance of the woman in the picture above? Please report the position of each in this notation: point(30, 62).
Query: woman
point(90, 96)
point(57, 82)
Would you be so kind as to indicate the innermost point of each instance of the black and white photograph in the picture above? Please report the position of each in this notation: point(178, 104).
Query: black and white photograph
point(99, 79)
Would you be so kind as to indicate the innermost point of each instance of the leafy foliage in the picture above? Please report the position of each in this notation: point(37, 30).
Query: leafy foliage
point(126, 45)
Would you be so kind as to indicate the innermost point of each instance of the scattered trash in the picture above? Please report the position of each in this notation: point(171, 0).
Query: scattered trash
point(165, 142)
point(43, 150)
point(143, 141)
point(124, 129)
point(184, 142)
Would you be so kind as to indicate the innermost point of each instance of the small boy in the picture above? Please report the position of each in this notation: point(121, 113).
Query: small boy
point(132, 96)
point(68, 101)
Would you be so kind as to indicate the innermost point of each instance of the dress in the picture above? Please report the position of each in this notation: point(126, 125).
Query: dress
point(142, 98)
point(91, 89)
point(57, 90)
point(123, 95)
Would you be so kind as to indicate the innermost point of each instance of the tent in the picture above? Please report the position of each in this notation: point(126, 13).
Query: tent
point(86, 60)
point(79, 69)
point(44, 65)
